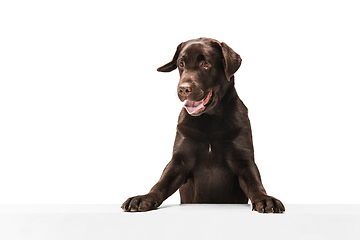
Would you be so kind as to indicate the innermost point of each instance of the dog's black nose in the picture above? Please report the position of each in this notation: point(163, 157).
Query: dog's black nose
point(184, 90)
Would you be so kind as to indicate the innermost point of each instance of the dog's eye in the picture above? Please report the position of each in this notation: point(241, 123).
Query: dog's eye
point(205, 65)
point(181, 64)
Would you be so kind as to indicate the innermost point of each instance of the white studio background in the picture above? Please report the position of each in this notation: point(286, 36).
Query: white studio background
point(86, 118)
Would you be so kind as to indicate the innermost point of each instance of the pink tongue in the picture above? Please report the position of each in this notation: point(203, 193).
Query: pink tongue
point(194, 107)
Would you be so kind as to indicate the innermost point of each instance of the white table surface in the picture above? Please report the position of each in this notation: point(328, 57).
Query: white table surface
point(178, 222)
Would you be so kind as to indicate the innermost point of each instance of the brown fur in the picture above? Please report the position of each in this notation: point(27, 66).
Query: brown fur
point(213, 155)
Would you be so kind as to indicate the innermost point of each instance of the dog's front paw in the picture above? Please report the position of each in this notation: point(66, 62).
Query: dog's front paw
point(268, 204)
point(140, 203)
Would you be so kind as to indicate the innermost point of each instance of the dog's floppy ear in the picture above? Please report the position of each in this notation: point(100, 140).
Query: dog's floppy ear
point(172, 64)
point(232, 60)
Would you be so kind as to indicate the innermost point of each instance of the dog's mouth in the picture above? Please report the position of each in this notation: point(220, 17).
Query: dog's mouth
point(196, 108)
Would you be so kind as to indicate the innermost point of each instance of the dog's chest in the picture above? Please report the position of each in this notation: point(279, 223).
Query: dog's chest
point(208, 131)
point(212, 173)
point(211, 160)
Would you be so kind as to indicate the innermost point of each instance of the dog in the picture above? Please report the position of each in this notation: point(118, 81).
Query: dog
point(213, 154)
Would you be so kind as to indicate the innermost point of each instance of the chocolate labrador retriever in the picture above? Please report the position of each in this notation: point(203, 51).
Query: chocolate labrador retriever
point(213, 155)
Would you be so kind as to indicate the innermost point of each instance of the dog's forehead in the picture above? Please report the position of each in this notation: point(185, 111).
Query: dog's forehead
point(194, 49)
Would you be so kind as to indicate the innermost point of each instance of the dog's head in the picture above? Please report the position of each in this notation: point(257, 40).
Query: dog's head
point(206, 69)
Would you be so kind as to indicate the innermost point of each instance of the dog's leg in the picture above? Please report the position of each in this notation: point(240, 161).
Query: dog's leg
point(243, 163)
point(250, 182)
point(171, 179)
point(173, 176)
